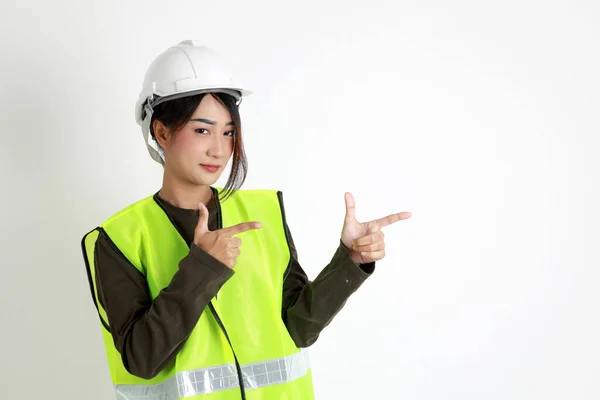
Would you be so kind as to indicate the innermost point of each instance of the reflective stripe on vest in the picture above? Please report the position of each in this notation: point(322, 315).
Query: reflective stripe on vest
point(222, 377)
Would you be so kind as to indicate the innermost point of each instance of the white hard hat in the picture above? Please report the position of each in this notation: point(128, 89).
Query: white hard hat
point(183, 70)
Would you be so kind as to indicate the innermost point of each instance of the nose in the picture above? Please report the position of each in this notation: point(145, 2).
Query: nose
point(217, 147)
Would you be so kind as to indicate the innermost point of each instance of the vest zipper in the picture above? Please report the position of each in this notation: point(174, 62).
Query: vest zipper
point(237, 363)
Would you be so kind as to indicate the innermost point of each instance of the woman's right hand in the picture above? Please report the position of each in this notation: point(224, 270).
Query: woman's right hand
point(220, 243)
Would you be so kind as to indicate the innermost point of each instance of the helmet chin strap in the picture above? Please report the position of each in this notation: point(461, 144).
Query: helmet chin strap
point(155, 150)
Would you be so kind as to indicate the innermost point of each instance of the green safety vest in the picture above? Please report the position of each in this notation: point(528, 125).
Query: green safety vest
point(240, 337)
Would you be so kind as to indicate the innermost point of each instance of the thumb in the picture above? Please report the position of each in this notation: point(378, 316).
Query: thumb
point(202, 226)
point(350, 215)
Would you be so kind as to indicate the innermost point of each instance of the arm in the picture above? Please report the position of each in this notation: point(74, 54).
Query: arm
point(308, 307)
point(147, 333)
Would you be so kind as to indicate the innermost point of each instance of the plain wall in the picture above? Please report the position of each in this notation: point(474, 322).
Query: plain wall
point(481, 118)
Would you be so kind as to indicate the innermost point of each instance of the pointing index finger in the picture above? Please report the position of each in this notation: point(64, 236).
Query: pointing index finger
point(242, 227)
point(392, 218)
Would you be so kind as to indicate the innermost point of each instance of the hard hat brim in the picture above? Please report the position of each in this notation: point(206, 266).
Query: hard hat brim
point(237, 93)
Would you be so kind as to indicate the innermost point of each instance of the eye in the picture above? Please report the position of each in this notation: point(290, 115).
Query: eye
point(201, 130)
point(230, 133)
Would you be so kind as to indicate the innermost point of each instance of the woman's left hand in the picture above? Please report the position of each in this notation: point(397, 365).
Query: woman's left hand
point(365, 240)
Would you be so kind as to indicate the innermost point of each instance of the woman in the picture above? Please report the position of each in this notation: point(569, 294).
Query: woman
point(187, 311)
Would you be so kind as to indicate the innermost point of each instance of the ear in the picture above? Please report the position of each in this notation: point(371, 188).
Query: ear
point(161, 133)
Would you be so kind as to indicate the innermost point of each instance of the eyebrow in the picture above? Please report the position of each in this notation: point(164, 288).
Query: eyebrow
point(210, 122)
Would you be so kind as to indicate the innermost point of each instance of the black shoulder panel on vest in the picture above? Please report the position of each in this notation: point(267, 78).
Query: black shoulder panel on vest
point(91, 282)
point(287, 234)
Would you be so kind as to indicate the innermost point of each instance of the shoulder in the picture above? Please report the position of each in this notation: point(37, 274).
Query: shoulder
point(131, 212)
point(129, 215)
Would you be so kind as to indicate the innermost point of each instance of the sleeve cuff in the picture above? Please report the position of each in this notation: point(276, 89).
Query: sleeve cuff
point(201, 256)
point(343, 256)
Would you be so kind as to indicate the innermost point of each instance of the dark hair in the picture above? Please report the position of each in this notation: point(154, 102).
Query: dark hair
point(174, 114)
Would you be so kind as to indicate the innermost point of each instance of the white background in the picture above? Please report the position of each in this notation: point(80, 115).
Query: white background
point(482, 120)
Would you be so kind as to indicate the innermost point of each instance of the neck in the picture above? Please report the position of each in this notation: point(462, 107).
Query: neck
point(184, 194)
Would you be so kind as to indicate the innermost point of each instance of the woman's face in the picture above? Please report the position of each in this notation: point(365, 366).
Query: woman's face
point(205, 141)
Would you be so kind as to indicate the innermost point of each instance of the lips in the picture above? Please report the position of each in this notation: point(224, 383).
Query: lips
point(210, 167)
